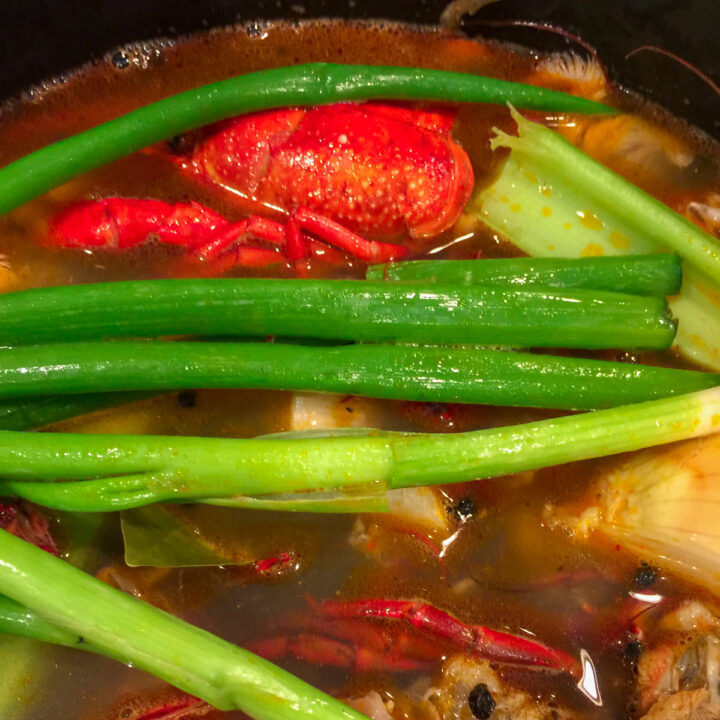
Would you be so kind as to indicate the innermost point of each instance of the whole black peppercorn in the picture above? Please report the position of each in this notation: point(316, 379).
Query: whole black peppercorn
point(187, 398)
point(633, 651)
point(481, 701)
point(645, 576)
point(464, 508)
point(120, 60)
point(177, 144)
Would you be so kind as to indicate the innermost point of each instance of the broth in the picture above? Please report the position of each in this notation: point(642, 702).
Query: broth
point(501, 564)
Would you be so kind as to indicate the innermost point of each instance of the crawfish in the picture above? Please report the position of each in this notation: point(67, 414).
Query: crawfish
point(380, 170)
point(414, 636)
point(338, 172)
point(27, 523)
point(185, 707)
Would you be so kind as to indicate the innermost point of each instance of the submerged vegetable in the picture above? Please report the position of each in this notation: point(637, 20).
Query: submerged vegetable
point(25, 663)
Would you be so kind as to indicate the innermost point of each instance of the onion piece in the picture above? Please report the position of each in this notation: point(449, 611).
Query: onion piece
point(663, 504)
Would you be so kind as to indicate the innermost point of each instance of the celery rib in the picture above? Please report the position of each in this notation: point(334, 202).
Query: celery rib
point(640, 213)
point(573, 206)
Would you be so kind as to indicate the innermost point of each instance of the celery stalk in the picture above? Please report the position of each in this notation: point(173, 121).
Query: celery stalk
point(552, 200)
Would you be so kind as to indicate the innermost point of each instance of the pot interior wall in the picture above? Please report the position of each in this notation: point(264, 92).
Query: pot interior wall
point(43, 38)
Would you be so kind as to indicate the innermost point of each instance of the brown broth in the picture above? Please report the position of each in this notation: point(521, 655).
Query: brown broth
point(505, 568)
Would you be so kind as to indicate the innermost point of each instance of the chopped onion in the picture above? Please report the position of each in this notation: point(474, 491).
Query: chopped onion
point(664, 505)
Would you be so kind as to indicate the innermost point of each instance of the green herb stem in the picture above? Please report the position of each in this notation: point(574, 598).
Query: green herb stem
point(638, 274)
point(432, 374)
point(112, 472)
point(337, 309)
point(299, 85)
point(132, 631)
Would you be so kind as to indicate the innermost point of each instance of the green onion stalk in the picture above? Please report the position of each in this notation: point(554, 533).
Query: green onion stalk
point(552, 200)
point(638, 274)
point(299, 85)
point(25, 662)
point(16, 619)
point(39, 409)
point(115, 472)
point(54, 601)
point(379, 311)
point(419, 373)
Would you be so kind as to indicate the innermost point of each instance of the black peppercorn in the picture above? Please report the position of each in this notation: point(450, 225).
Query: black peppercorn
point(482, 704)
point(178, 144)
point(187, 398)
point(120, 60)
point(633, 651)
point(645, 576)
point(464, 508)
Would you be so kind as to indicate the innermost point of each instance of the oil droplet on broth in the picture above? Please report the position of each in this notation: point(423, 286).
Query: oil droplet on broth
point(9, 280)
point(546, 211)
point(516, 207)
point(619, 240)
point(590, 220)
point(592, 250)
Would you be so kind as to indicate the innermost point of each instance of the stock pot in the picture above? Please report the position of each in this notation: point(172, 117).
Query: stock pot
point(44, 38)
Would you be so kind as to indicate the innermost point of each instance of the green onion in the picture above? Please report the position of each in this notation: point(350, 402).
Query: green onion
point(301, 85)
point(28, 413)
point(638, 275)
point(86, 610)
point(553, 200)
point(433, 374)
point(16, 619)
point(337, 309)
point(113, 472)
point(25, 663)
